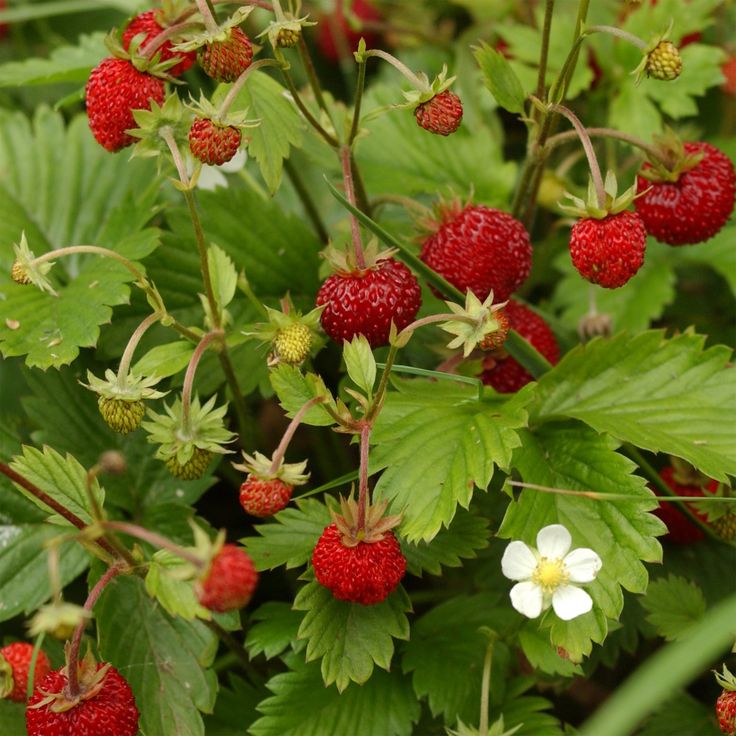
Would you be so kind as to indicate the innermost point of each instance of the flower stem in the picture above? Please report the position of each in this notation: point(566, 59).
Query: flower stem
point(240, 81)
point(306, 58)
point(365, 435)
point(209, 20)
point(543, 55)
point(485, 688)
point(135, 338)
point(95, 249)
point(347, 176)
point(32, 667)
point(618, 33)
point(651, 151)
point(72, 688)
point(307, 202)
point(417, 82)
point(595, 169)
point(148, 49)
point(186, 391)
point(377, 402)
point(359, 88)
point(154, 539)
point(278, 455)
point(329, 138)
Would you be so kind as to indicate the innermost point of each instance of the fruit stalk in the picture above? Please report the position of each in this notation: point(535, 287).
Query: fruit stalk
point(32, 667)
point(97, 250)
point(209, 20)
point(306, 58)
point(240, 81)
point(135, 338)
point(652, 151)
point(307, 202)
point(543, 55)
point(347, 176)
point(416, 82)
point(329, 138)
point(157, 540)
point(278, 455)
point(485, 688)
point(73, 660)
point(186, 391)
point(148, 49)
point(365, 435)
point(359, 88)
point(618, 33)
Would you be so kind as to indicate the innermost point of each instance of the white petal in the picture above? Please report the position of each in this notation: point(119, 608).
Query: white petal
point(553, 542)
point(236, 163)
point(210, 178)
point(518, 561)
point(526, 598)
point(570, 602)
point(582, 565)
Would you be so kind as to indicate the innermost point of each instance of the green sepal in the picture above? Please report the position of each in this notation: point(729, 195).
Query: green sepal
point(205, 109)
point(167, 117)
point(590, 207)
point(7, 683)
point(222, 34)
point(33, 273)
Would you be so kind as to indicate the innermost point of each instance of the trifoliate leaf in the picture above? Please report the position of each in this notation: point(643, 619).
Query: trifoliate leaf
point(294, 389)
point(673, 605)
point(273, 626)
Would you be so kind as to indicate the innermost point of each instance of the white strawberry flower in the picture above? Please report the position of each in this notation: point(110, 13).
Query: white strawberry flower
point(549, 575)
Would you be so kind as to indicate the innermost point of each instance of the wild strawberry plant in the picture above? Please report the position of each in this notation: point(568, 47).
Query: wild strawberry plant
point(354, 378)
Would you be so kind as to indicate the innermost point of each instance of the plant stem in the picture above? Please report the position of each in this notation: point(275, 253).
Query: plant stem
point(417, 82)
point(209, 20)
point(347, 177)
point(307, 202)
point(595, 169)
point(149, 48)
point(240, 81)
point(377, 402)
point(359, 88)
point(306, 58)
point(154, 539)
point(365, 435)
point(485, 688)
point(95, 249)
point(651, 151)
point(329, 138)
point(278, 455)
point(32, 667)
point(72, 688)
point(186, 391)
point(543, 55)
point(618, 33)
point(135, 338)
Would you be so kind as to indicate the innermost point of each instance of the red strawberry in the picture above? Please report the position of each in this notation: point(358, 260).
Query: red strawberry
point(15, 666)
point(229, 582)
point(226, 60)
point(329, 46)
point(729, 72)
point(147, 23)
point(479, 248)
point(504, 373)
point(106, 706)
point(3, 26)
point(365, 301)
point(610, 250)
point(211, 143)
point(693, 207)
point(264, 497)
point(115, 88)
point(441, 115)
point(726, 703)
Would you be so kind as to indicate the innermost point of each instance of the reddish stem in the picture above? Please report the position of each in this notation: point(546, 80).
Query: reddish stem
point(347, 176)
point(148, 49)
point(186, 391)
point(365, 435)
point(278, 456)
point(157, 540)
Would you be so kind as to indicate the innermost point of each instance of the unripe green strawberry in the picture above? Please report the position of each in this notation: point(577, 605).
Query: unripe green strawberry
point(19, 274)
point(664, 62)
point(725, 526)
point(287, 38)
point(192, 469)
point(120, 415)
point(292, 344)
point(496, 339)
point(226, 60)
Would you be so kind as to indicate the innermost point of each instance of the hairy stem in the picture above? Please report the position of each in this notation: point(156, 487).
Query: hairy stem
point(186, 391)
point(210, 23)
point(416, 81)
point(157, 540)
point(328, 137)
point(651, 151)
point(135, 338)
point(365, 435)
point(485, 688)
point(618, 33)
point(347, 176)
point(307, 202)
point(306, 58)
point(278, 455)
point(96, 250)
point(543, 55)
point(359, 88)
point(150, 47)
point(230, 642)
point(240, 81)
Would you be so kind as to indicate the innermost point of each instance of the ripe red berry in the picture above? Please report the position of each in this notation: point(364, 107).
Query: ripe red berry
point(608, 251)
point(366, 301)
point(17, 659)
point(260, 497)
point(365, 573)
point(211, 143)
point(229, 582)
point(226, 60)
point(696, 206)
point(442, 114)
point(680, 529)
point(726, 711)
point(336, 22)
point(115, 88)
point(3, 26)
point(147, 23)
point(504, 373)
point(481, 249)
point(102, 711)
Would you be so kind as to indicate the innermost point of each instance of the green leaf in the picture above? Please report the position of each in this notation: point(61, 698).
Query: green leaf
point(273, 626)
point(281, 125)
point(467, 533)
point(302, 706)
point(350, 637)
point(177, 596)
point(290, 538)
point(24, 575)
point(674, 605)
point(682, 714)
point(500, 78)
point(542, 655)
point(573, 457)
point(360, 363)
point(165, 360)
point(12, 718)
point(223, 274)
point(65, 63)
point(436, 443)
point(61, 478)
point(446, 651)
point(294, 389)
point(164, 659)
point(664, 395)
point(235, 709)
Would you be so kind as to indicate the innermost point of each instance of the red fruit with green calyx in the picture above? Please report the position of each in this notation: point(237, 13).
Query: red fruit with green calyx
point(503, 372)
point(690, 200)
point(225, 60)
point(105, 705)
point(478, 248)
point(726, 702)
point(365, 300)
point(148, 24)
point(267, 489)
point(229, 581)
point(15, 668)
point(211, 143)
point(441, 115)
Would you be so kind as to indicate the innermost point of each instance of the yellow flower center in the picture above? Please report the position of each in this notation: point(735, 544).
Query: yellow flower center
point(549, 574)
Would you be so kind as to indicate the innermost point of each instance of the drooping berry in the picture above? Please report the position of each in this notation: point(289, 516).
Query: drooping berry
point(610, 250)
point(479, 248)
point(441, 115)
point(664, 62)
point(226, 60)
point(114, 89)
point(229, 582)
point(264, 497)
point(193, 468)
point(15, 668)
point(503, 372)
point(495, 340)
point(726, 702)
point(366, 301)
point(695, 206)
point(146, 23)
point(120, 415)
point(211, 143)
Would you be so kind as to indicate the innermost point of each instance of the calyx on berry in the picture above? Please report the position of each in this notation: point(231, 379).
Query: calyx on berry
point(168, 117)
point(590, 206)
point(24, 271)
point(672, 159)
point(260, 466)
point(153, 65)
point(375, 527)
point(726, 679)
point(205, 109)
point(286, 30)
point(660, 59)
point(344, 262)
point(224, 29)
point(476, 324)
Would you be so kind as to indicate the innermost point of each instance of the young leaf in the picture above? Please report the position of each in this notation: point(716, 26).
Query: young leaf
point(673, 604)
point(664, 395)
point(165, 360)
point(294, 389)
point(436, 443)
point(164, 583)
point(302, 706)
point(223, 274)
point(273, 626)
point(360, 363)
point(542, 655)
point(500, 78)
point(349, 637)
